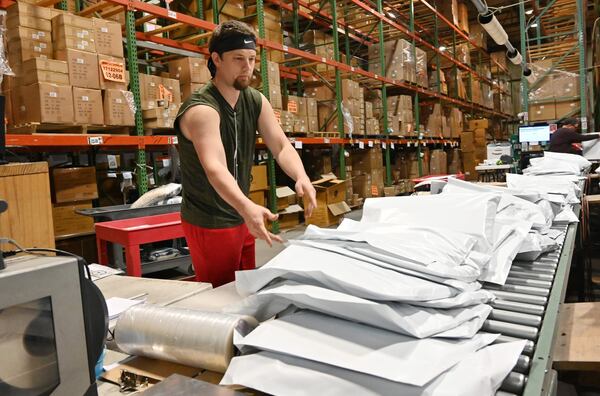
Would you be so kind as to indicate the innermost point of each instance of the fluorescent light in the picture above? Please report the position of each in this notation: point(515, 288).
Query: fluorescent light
point(529, 12)
point(533, 25)
point(493, 28)
point(442, 48)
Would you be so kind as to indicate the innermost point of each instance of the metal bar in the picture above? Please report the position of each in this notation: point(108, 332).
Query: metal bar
point(416, 107)
point(215, 10)
point(581, 11)
point(542, 359)
point(338, 90)
point(537, 18)
point(524, 83)
point(386, 130)
point(296, 38)
point(134, 84)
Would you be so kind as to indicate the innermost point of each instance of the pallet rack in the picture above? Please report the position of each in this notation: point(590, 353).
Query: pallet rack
point(422, 27)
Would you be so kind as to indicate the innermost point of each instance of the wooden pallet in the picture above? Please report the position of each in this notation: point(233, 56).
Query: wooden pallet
point(35, 127)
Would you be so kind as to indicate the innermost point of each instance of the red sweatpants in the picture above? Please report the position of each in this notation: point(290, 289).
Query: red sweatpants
point(218, 253)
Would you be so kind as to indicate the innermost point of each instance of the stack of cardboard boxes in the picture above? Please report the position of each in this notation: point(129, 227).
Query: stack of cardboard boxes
point(557, 92)
point(300, 116)
point(456, 12)
point(72, 189)
point(473, 144)
point(400, 116)
point(400, 62)
point(64, 64)
point(161, 98)
point(368, 172)
point(259, 185)
point(192, 74)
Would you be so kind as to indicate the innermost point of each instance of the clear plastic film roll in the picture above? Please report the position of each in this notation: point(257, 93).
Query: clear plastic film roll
point(188, 337)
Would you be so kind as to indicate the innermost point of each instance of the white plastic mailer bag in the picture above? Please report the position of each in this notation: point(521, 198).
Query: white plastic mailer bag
point(546, 184)
point(510, 235)
point(534, 245)
point(467, 213)
point(337, 272)
point(360, 348)
point(464, 299)
point(582, 162)
point(462, 278)
point(510, 206)
point(479, 374)
point(546, 166)
point(566, 216)
point(419, 322)
point(591, 149)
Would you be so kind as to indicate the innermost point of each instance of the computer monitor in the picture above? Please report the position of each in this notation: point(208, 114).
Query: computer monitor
point(534, 134)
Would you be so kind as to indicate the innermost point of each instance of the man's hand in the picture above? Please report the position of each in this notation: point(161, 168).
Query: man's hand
point(305, 188)
point(255, 216)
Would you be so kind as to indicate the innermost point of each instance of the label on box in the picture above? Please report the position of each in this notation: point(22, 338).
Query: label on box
point(37, 49)
point(53, 94)
point(112, 175)
point(361, 145)
point(292, 106)
point(41, 33)
point(164, 93)
point(118, 100)
point(112, 161)
point(85, 99)
point(166, 162)
point(80, 61)
point(370, 143)
point(298, 144)
point(383, 145)
point(80, 47)
point(374, 191)
point(392, 146)
point(127, 176)
point(113, 71)
point(43, 45)
point(104, 29)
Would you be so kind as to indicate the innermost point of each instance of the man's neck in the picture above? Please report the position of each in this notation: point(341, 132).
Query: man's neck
point(228, 92)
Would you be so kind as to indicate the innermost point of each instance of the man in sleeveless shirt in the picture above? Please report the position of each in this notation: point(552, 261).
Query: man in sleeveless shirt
point(216, 128)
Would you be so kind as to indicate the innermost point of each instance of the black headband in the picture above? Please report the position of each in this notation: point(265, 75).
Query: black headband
point(241, 41)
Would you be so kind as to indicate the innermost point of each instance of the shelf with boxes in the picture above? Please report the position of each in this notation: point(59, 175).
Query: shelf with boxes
point(91, 140)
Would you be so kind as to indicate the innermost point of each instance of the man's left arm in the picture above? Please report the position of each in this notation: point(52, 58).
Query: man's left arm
point(285, 154)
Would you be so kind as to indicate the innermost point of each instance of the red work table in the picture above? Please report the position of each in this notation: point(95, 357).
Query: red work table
point(131, 233)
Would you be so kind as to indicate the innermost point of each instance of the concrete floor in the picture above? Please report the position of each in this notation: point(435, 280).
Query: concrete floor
point(264, 252)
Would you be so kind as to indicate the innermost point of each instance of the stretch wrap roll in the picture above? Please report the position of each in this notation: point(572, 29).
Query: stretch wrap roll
point(185, 336)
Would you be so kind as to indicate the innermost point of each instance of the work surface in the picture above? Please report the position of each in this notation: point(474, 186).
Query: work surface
point(578, 340)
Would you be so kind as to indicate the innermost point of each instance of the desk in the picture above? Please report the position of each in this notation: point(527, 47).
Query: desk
point(131, 233)
point(577, 345)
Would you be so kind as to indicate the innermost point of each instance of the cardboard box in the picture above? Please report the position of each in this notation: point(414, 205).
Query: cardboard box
point(258, 178)
point(258, 197)
point(275, 97)
point(483, 123)
point(87, 104)
point(467, 142)
point(117, 110)
point(188, 89)
point(43, 70)
point(367, 160)
point(83, 68)
point(469, 164)
point(73, 32)
point(108, 161)
point(542, 112)
point(112, 73)
point(313, 124)
point(23, 50)
point(68, 222)
point(51, 65)
point(149, 90)
point(23, 8)
point(361, 185)
point(331, 202)
point(311, 108)
point(284, 197)
point(189, 70)
point(438, 162)
point(25, 33)
point(108, 36)
point(29, 21)
point(273, 74)
point(296, 105)
point(44, 103)
point(564, 109)
point(38, 76)
point(74, 184)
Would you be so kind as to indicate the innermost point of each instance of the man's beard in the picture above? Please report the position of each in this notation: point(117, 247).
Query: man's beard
point(240, 84)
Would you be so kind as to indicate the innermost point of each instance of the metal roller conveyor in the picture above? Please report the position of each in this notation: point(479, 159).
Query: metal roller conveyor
point(515, 382)
point(515, 306)
point(515, 317)
point(529, 345)
point(529, 282)
point(535, 269)
point(535, 291)
point(529, 275)
point(523, 364)
point(502, 393)
point(519, 297)
point(532, 264)
point(510, 329)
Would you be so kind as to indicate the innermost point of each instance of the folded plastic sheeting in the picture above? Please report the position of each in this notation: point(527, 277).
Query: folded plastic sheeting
point(479, 374)
point(591, 149)
point(534, 245)
point(363, 349)
point(472, 214)
point(337, 272)
point(419, 322)
point(564, 186)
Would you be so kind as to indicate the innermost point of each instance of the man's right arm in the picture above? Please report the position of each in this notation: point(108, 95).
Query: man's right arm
point(575, 137)
point(200, 125)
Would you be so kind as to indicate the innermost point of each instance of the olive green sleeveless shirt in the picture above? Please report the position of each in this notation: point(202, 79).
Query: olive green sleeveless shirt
point(202, 205)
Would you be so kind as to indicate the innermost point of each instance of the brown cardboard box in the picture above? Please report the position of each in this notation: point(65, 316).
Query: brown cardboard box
point(188, 89)
point(331, 204)
point(467, 142)
point(68, 222)
point(112, 73)
point(296, 105)
point(189, 70)
point(37, 76)
point(258, 197)
point(74, 184)
point(480, 153)
point(275, 97)
point(51, 65)
point(117, 110)
point(32, 22)
point(377, 182)
point(273, 74)
point(149, 90)
point(73, 32)
point(109, 40)
point(88, 106)
point(25, 33)
point(45, 103)
point(311, 108)
point(23, 8)
point(564, 109)
point(23, 50)
point(542, 112)
point(469, 164)
point(313, 124)
point(479, 134)
point(83, 68)
point(483, 123)
point(258, 178)
point(438, 162)
point(367, 160)
point(171, 92)
point(361, 185)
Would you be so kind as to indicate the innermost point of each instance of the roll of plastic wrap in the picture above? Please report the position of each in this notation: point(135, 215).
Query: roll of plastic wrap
point(189, 337)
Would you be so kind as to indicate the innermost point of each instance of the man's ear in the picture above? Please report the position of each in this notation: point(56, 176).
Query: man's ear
point(215, 58)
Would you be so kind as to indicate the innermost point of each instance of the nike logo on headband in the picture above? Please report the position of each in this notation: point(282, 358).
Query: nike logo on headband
point(248, 42)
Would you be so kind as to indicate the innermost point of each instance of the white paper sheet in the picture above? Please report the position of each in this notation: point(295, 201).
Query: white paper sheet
point(337, 272)
point(361, 348)
point(419, 322)
point(467, 213)
point(479, 374)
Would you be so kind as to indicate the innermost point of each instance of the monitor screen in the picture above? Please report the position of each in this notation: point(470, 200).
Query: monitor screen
point(534, 134)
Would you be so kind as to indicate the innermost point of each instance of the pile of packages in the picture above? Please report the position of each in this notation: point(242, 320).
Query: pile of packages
point(394, 304)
